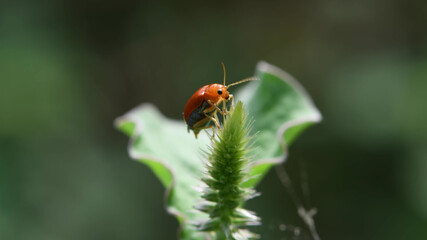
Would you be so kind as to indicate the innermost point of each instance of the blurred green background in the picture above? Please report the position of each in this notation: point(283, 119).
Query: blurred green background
point(68, 68)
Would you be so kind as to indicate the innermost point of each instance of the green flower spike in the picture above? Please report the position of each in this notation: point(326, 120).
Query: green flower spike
point(227, 169)
point(281, 110)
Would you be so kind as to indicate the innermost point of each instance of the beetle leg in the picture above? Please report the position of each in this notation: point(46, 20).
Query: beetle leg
point(197, 131)
point(217, 119)
point(231, 98)
point(216, 106)
point(213, 131)
point(213, 120)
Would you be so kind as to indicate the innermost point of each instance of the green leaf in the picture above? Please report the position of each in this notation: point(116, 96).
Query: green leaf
point(280, 109)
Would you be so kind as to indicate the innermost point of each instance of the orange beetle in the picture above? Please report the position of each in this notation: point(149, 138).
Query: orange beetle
point(200, 112)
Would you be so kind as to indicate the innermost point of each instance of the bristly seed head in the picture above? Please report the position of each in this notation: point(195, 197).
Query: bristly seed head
point(226, 171)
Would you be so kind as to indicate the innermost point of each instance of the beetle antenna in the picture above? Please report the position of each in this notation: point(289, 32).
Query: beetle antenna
point(244, 80)
point(223, 69)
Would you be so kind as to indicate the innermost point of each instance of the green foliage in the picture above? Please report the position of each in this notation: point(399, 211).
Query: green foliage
point(280, 108)
point(226, 171)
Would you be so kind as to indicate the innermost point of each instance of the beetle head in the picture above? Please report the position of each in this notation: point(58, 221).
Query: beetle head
point(217, 92)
